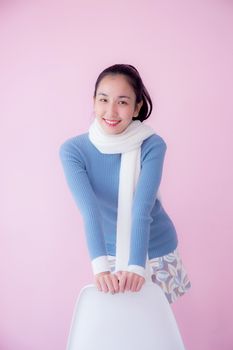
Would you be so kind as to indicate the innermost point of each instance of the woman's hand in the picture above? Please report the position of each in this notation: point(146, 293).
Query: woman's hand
point(107, 282)
point(118, 282)
point(130, 281)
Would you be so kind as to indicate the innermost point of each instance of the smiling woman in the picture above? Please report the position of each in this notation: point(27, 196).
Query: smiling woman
point(114, 172)
point(114, 112)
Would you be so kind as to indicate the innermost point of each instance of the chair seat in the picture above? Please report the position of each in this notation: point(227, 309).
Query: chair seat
point(123, 321)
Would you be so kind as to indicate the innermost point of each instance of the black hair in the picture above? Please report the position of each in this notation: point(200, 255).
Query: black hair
point(134, 79)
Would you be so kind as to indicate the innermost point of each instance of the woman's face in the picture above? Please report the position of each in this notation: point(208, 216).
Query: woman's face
point(114, 104)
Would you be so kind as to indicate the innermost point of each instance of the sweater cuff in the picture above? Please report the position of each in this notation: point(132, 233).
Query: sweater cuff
point(137, 269)
point(100, 264)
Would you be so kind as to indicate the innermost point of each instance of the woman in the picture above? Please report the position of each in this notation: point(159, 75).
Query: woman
point(92, 164)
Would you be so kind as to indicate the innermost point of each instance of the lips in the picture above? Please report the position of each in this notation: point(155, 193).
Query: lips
point(111, 122)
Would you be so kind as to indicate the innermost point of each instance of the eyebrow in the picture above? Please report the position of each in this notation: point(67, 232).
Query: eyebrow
point(122, 96)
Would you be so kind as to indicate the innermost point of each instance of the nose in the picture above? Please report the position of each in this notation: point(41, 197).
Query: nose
point(112, 110)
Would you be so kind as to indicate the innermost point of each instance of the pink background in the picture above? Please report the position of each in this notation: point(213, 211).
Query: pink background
point(51, 55)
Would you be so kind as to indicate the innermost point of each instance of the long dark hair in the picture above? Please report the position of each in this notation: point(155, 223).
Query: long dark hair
point(134, 79)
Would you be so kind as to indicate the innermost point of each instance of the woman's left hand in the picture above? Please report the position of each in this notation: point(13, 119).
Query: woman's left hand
point(129, 281)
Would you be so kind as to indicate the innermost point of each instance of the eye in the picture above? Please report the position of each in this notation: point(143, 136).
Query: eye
point(124, 102)
point(103, 99)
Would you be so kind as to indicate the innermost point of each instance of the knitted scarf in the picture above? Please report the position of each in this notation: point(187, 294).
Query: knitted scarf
point(128, 143)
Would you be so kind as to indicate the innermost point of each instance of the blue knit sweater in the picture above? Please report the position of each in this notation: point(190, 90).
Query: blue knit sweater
point(93, 179)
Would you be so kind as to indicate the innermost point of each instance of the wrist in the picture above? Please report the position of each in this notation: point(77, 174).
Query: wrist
point(140, 270)
point(100, 265)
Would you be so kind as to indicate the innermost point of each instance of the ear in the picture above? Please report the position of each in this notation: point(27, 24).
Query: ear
point(139, 105)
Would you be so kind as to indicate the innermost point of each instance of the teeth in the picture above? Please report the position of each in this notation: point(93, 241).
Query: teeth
point(111, 122)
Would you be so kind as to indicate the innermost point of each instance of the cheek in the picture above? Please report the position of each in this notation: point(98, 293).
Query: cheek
point(127, 112)
point(127, 116)
point(99, 110)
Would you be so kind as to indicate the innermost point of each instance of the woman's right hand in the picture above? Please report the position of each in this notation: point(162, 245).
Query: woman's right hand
point(107, 282)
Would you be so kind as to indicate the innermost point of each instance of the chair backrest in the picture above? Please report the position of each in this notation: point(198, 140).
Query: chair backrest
point(123, 321)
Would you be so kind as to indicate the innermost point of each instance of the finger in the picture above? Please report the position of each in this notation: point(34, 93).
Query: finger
point(98, 285)
point(103, 283)
point(108, 280)
point(134, 284)
point(115, 283)
point(118, 274)
point(129, 281)
point(140, 284)
point(122, 282)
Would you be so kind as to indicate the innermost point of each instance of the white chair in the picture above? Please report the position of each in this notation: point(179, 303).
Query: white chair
point(124, 321)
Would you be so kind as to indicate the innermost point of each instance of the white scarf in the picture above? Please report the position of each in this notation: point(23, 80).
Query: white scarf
point(128, 143)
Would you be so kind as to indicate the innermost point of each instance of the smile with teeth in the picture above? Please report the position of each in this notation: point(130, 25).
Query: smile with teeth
point(112, 122)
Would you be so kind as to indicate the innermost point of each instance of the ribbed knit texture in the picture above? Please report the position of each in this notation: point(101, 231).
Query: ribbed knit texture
point(93, 179)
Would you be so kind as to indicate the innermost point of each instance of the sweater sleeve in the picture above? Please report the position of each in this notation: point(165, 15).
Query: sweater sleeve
point(78, 182)
point(143, 202)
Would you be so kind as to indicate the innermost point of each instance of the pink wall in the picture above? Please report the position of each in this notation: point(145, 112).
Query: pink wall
point(51, 54)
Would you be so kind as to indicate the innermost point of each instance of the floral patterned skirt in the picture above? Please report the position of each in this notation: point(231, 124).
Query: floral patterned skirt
point(168, 272)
